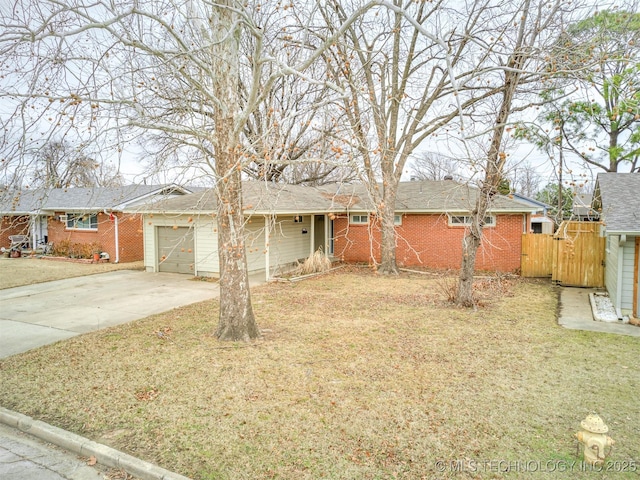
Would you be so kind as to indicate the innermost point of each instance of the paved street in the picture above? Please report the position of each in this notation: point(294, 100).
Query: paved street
point(23, 457)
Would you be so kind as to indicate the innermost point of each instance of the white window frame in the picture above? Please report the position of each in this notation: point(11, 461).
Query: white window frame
point(72, 221)
point(397, 219)
point(357, 219)
point(490, 220)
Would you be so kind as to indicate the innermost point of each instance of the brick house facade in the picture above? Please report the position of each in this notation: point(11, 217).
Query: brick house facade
point(130, 245)
point(92, 217)
point(18, 225)
point(428, 240)
point(432, 218)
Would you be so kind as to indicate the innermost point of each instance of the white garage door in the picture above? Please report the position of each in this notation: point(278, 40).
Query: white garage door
point(175, 250)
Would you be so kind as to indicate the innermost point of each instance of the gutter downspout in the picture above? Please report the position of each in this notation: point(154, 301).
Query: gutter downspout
point(115, 217)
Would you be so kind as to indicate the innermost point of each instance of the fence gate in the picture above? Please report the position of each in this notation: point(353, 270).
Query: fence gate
point(537, 255)
point(578, 255)
point(573, 256)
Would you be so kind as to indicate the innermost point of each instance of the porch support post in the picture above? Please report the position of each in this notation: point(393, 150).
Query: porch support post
point(32, 231)
point(326, 235)
point(312, 231)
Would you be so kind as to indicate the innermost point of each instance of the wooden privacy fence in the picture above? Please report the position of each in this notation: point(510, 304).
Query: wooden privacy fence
point(537, 255)
point(573, 256)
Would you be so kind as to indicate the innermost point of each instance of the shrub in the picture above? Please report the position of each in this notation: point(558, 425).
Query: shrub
point(65, 248)
point(62, 248)
point(317, 262)
point(448, 287)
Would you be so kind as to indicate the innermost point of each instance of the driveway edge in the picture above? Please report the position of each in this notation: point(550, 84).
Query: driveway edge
point(83, 446)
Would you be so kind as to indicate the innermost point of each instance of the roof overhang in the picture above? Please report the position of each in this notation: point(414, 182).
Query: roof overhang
point(629, 233)
point(15, 213)
point(320, 212)
point(172, 187)
point(519, 211)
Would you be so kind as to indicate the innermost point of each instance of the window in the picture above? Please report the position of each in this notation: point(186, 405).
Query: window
point(397, 219)
point(465, 221)
point(359, 219)
point(298, 219)
point(87, 221)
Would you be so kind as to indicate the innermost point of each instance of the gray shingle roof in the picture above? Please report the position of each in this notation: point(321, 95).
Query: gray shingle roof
point(76, 199)
point(266, 197)
point(619, 198)
point(258, 197)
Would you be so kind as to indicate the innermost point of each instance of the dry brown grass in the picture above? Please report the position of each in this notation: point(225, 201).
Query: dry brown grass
point(15, 272)
point(318, 262)
point(357, 376)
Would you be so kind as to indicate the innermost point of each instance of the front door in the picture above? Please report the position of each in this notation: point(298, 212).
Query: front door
point(40, 231)
point(318, 233)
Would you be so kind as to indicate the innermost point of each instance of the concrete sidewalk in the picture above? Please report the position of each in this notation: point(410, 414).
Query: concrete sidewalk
point(576, 314)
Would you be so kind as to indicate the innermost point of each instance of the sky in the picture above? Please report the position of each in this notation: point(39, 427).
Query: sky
point(133, 163)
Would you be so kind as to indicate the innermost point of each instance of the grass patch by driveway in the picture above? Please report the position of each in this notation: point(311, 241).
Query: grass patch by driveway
point(357, 376)
point(16, 272)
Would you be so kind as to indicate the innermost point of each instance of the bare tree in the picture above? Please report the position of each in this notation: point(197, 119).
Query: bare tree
point(408, 69)
point(518, 62)
point(286, 135)
point(160, 70)
point(58, 165)
point(145, 67)
point(435, 166)
point(524, 178)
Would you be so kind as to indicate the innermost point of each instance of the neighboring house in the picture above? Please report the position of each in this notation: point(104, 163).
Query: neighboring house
point(540, 221)
point(286, 223)
point(83, 216)
point(617, 198)
point(582, 209)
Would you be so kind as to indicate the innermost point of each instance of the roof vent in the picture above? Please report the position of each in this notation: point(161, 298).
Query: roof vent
point(448, 177)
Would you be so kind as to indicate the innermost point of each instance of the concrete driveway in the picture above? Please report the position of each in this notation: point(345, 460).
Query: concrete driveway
point(36, 315)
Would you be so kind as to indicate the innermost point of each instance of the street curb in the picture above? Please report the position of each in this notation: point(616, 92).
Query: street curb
point(83, 446)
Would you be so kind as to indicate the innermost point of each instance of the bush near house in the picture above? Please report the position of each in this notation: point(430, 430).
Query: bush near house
point(65, 248)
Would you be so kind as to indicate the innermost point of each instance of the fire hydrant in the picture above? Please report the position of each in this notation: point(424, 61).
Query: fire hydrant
point(594, 439)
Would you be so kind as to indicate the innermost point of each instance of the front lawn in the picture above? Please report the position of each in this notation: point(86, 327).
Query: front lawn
point(16, 272)
point(358, 376)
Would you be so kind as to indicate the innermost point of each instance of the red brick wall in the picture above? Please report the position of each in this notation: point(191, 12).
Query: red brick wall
point(428, 241)
point(12, 226)
point(130, 242)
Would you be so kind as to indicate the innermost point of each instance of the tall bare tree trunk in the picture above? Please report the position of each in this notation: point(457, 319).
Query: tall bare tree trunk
point(470, 245)
point(237, 321)
point(388, 264)
point(493, 169)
